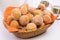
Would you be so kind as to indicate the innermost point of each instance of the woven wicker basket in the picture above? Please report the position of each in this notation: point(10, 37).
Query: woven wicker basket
point(20, 33)
point(32, 34)
point(26, 34)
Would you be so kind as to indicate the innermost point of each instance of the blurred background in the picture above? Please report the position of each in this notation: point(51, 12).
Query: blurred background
point(33, 3)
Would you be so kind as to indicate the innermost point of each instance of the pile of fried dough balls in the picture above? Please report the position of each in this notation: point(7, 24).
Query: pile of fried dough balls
point(28, 18)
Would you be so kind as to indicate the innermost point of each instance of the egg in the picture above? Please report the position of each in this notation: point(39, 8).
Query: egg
point(41, 6)
point(9, 19)
point(16, 13)
point(24, 20)
point(14, 24)
point(24, 8)
point(30, 16)
point(38, 20)
point(31, 27)
point(46, 18)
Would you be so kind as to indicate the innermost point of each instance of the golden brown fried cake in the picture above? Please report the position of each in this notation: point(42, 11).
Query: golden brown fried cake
point(9, 19)
point(14, 24)
point(46, 12)
point(24, 8)
point(46, 18)
point(30, 16)
point(43, 24)
point(41, 6)
point(31, 10)
point(16, 13)
point(38, 20)
point(31, 27)
point(24, 20)
point(37, 12)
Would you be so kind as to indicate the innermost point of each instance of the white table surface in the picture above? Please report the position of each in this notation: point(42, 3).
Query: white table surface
point(52, 33)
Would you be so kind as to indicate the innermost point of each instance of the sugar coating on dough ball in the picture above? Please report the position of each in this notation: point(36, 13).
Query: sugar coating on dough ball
point(14, 24)
point(46, 12)
point(46, 18)
point(43, 24)
point(41, 6)
point(16, 13)
point(30, 16)
point(38, 20)
point(9, 19)
point(31, 27)
point(37, 12)
point(24, 20)
point(24, 8)
point(31, 10)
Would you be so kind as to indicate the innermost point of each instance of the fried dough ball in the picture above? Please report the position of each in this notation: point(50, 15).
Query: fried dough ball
point(31, 10)
point(24, 8)
point(16, 13)
point(37, 12)
point(22, 30)
point(46, 12)
point(41, 6)
point(46, 3)
point(30, 16)
point(14, 24)
point(24, 20)
point(31, 27)
point(9, 19)
point(42, 24)
point(38, 20)
point(46, 18)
